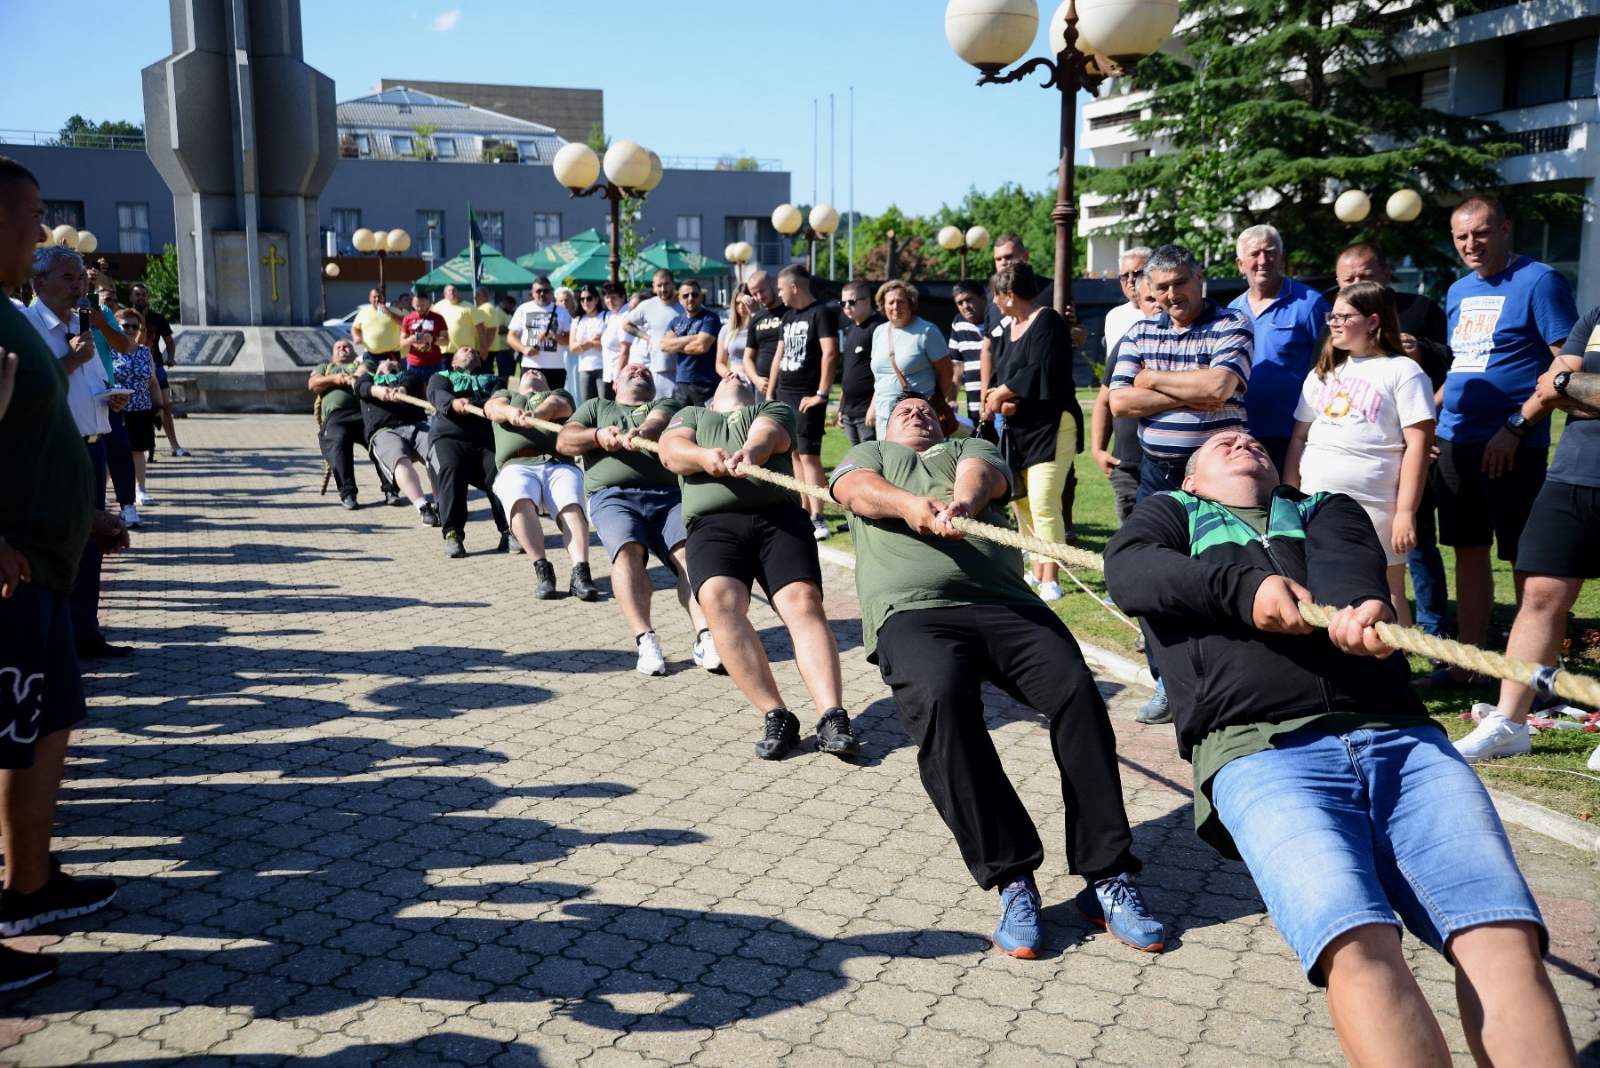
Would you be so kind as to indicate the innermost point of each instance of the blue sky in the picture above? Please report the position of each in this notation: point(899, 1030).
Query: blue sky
point(703, 78)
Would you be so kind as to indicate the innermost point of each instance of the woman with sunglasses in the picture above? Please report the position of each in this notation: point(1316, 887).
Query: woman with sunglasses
point(735, 332)
point(586, 350)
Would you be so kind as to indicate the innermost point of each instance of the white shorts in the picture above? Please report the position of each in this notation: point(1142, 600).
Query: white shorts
point(1382, 516)
point(550, 486)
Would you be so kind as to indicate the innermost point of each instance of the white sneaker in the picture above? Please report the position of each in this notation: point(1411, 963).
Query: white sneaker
point(1049, 591)
point(819, 529)
point(1594, 759)
point(705, 653)
point(1495, 736)
point(130, 517)
point(1031, 579)
point(141, 498)
point(651, 660)
point(180, 451)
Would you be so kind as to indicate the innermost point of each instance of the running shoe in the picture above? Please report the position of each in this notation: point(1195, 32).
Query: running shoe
point(61, 898)
point(504, 545)
point(705, 654)
point(651, 660)
point(780, 734)
point(180, 451)
point(348, 503)
point(142, 498)
point(429, 513)
point(1116, 905)
point(1494, 737)
point(834, 735)
point(1049, 591)
point(130, 517)
point(819, 529)
point(454, 549)
point(1156, 710)
point(18, 971)
point(1019, 933)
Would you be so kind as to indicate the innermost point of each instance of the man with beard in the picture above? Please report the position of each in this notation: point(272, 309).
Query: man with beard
point(461, 446)
point(396, 433)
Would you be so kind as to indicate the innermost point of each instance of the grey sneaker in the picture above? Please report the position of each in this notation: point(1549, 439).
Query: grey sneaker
point(1156, 710)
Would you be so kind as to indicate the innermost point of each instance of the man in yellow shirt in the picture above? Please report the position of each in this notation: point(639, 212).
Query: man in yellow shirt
point(461, 323)
point(377, 327)
point(494, 320)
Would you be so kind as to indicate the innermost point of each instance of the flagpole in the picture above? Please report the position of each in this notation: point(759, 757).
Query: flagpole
point(850, 270)
point(833, 187)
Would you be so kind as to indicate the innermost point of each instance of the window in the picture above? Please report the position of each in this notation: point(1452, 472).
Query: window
point(529, 151)
point(546, 229)
point(1135, 155)
point(363, 144)
point(1424, 88)
point(689, 232)
point(133, 227)
point(69, 212)
point(1550, 72)
point(492, 225)
point(403, 144)
point(444, 147)
point(346, 221)
point(430, 235)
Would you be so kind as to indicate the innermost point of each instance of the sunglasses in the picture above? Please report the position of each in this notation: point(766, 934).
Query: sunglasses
point(589, 296)
point(542, 292)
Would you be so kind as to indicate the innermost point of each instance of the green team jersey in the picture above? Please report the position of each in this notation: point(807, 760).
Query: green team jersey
point(511, 440)
point(340, 398)
point(627, 468)
point(900, 571)
point(704, 495)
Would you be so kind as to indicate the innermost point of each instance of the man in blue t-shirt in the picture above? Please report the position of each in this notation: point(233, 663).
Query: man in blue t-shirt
point(1288, 317)
point(1507, 319)
point(692, 336)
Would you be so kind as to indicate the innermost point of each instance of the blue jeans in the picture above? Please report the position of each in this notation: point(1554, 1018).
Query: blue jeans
point(1158, 475)
point(1427, 571)
point(84, 602)
point(1344, 830)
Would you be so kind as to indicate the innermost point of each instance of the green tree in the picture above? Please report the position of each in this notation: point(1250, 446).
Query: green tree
point(422, 147)
point(1276, 107)
point(82, 132)
point(161, 281)
point(597, 139)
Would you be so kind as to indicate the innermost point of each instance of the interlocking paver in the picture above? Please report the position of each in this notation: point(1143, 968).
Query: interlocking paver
point(371, 806)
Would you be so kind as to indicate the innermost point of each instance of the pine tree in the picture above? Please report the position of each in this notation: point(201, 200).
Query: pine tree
point(1277, 106)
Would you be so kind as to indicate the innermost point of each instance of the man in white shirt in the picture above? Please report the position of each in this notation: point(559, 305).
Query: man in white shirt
point(59, 282)
point(540, 330)
point(650, 321)
point(1120, 469)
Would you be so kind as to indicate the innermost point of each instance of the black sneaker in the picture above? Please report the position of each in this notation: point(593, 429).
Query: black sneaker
point(18, 971)
point(100, 649)
point(834, 735)
point(780, 734)
point(348, 504)
point(583, 587)
point(62, 898)
point(544, 580)
point(453, 548)
point(430, 513)
point(505, 542)
point(391, 498)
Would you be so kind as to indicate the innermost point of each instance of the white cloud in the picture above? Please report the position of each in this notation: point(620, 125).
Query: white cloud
point(447, 21)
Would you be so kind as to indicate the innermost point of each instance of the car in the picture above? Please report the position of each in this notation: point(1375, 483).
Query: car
point(342, 325)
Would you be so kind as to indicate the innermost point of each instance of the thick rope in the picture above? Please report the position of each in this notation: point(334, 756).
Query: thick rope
point(1568, 685)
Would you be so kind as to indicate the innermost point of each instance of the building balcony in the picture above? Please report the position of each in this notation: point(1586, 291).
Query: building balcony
point(1106, 121)
point(1552, 141)
point(49, 139)
point(1487, 20)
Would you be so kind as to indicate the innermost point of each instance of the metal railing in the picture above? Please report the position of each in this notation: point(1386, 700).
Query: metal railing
point(1544, 139)
point(1120, 118)
point(49, 139)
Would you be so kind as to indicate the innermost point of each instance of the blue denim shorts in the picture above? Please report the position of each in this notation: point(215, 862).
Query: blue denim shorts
point(649, 515)
point(1344, 830)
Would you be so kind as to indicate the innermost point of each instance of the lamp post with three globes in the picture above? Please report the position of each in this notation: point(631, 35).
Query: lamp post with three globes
point(631, 170)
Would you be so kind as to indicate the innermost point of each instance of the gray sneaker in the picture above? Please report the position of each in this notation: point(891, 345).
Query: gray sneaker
point(1156, 710)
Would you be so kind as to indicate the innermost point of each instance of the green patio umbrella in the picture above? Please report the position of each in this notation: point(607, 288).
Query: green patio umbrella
point(593, 264)
point(498, 271)
point(554, 256)
point(681, 262)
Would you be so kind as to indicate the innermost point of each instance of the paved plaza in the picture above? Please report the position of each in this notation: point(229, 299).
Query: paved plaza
point(370, 805)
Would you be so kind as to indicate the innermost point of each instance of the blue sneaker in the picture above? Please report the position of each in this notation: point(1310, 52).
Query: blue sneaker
point(1116, 905)
point(1018, 934)
point(1156, 710)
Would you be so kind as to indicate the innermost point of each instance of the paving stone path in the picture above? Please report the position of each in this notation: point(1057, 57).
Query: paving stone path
point(367, 804)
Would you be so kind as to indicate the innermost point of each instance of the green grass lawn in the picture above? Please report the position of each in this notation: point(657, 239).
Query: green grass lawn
point(1094, 518)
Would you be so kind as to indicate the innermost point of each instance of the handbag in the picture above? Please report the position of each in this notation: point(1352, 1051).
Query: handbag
point(948, 423)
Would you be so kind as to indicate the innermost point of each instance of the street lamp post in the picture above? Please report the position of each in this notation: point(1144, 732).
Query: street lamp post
point(993, 34)
point(329, 270)
point(738, 253)
point(631, 170)
point(382, 243)
point(954, 239)
point(1354, 205)
point(69, 236)
point(822, 221)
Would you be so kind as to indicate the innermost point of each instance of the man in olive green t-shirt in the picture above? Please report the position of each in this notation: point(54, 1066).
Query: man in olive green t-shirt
point(635, 507)
point(535, 478)
point(340, 426)
point(940, 616)
point(743, 531)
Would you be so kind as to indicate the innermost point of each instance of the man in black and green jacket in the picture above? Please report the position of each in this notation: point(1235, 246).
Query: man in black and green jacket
point(461, 446)
point(1316, 764)
point(397, 431)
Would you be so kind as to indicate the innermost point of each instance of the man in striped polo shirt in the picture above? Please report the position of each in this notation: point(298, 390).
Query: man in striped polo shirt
point(1183, 373)
point(966, 344)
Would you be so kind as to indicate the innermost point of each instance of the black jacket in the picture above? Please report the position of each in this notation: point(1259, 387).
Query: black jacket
point(446, 386)
point(1191, 569)
point(1425, 321)
point(381, 415)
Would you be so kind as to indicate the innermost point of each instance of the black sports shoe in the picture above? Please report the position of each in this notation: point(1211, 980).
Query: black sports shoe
point(61, 898)
point(430, 513)
point(453, 548)
point(21, 970)
point(834, 735)
point(780, 734)
point(583, 587)
point(348, 503)
point(544, 580)
point(505, 542)
point(100, 649)
point(391, 498)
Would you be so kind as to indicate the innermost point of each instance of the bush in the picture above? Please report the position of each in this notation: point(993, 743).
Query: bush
point(161, 282)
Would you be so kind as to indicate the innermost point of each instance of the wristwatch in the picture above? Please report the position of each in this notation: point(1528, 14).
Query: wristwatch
point(824, 396)
point(1559, 382)
point(1517, 423)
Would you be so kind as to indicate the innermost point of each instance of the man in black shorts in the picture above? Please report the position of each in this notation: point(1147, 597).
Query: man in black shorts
point(397, 432)
point(743, 531)
point(1560, 546)
point(765, 334)
point(807, 363)
point(461, 447)
point(47, 516)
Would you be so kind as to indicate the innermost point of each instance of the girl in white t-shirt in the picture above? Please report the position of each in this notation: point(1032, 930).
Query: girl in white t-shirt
point(1364, 425)
point(614, 337)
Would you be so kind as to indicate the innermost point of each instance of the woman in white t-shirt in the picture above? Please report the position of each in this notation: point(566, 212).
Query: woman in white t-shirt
point(614, 337)
point(735, 332)
point(585, 344)
point(1364, 425)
